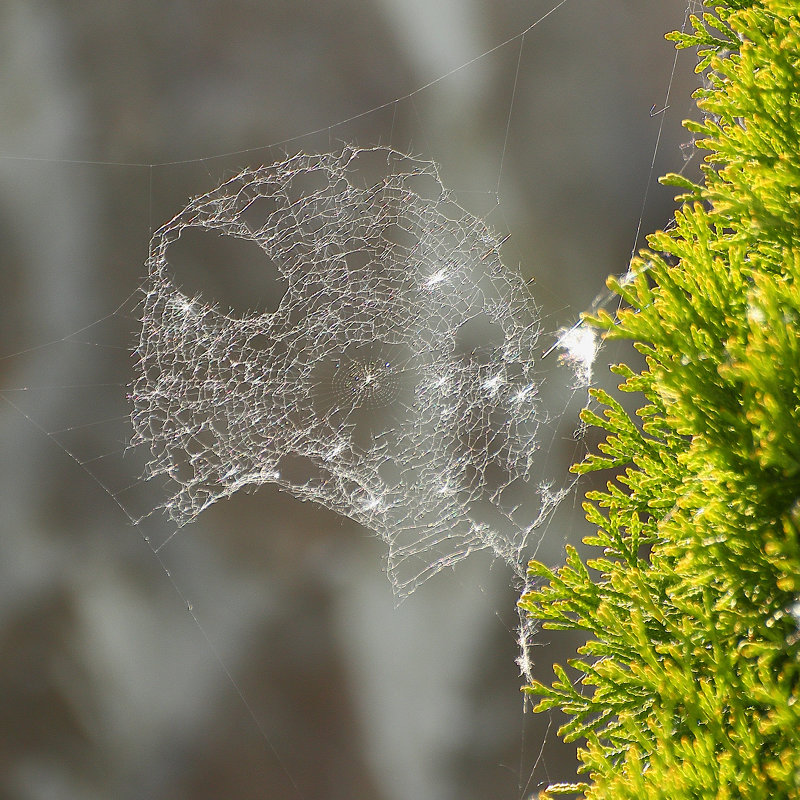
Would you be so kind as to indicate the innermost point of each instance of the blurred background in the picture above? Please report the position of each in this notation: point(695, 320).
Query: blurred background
point(304, 679)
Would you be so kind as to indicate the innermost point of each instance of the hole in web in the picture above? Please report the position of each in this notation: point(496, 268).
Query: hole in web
point(480, 339)
point(230, 272)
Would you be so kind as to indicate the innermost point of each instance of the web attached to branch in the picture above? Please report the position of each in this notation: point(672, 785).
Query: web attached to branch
point(396, 383)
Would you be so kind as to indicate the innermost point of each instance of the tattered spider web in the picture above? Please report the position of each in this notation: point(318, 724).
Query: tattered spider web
point(396, 383)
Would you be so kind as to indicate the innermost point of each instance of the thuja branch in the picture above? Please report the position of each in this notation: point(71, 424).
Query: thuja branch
point(691, 672)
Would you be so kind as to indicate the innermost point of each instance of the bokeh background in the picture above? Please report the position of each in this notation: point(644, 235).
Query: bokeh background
point(304, 679)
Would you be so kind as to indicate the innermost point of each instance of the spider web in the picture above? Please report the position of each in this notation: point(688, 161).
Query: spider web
point(395, 384)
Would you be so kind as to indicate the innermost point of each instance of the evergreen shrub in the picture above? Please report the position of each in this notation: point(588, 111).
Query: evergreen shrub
point(688, 685)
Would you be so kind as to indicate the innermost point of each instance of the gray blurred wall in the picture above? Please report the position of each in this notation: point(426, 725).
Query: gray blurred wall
point(108, 689)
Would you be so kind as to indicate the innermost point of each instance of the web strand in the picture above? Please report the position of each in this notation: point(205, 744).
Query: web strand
point(510, 114)
point(604, 297)
point(82, 465)
point(657, 145)
point(307, 134)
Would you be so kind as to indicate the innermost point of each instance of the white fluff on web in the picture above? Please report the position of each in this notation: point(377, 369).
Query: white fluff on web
point(579, 345)
point(394, 384)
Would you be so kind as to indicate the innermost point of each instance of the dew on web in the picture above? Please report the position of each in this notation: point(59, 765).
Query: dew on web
point(395, 383)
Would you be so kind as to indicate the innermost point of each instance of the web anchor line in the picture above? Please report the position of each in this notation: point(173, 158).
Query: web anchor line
point(360, 115)
point(221, 663)
point(604, 297)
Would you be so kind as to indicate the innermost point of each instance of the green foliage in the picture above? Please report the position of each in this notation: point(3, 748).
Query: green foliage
point(689, 683)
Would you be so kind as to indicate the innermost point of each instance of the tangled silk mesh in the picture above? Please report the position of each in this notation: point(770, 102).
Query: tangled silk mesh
point(394, 384)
